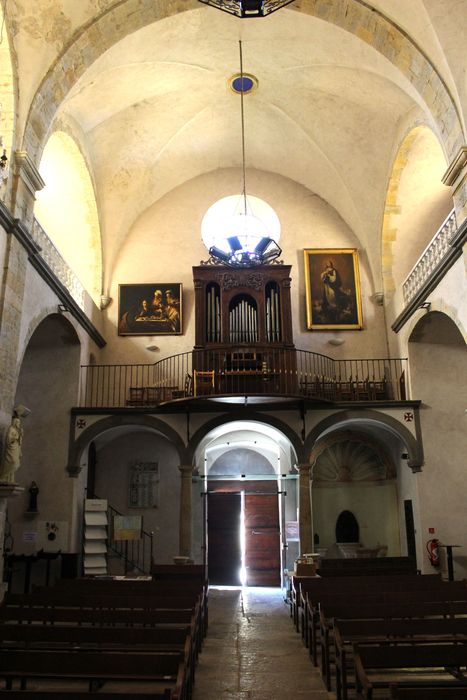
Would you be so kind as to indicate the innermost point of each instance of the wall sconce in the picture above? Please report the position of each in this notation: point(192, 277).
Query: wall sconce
point(152, 348)
point(4, 161)
point(426, 305)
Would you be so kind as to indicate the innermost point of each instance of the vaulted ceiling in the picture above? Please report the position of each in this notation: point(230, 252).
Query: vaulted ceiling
point(148, 92)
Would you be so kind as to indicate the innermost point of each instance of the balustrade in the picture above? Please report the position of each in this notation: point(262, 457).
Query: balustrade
point(57, 264)
point(430, 259)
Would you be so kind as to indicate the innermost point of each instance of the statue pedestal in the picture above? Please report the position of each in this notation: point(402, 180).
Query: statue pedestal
point(7, 490)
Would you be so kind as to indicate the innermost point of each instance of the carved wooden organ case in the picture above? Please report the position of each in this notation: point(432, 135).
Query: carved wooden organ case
point(243, 318)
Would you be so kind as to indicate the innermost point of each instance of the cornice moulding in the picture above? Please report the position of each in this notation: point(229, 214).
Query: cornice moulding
point(456, 168)
point(28, 172)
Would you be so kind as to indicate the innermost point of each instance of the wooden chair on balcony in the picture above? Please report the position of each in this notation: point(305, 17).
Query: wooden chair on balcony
point(187, 389)
point(153, 396)
point(203, 382)
point(345, 390)
point(136, 396)
point(362, 390)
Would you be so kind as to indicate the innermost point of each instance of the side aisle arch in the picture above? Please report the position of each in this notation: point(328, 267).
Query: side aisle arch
point(357, 419)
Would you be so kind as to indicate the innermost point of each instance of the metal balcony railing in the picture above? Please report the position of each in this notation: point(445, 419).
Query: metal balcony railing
point(243, 371)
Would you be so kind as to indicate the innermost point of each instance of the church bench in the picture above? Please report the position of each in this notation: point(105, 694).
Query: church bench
point(414, 665)
point(71, 694)
point(372, 566)
point(386, 606)
point(117, 617)
point(177, 587)
point(166, 670)
point(56, 599)
point(319, 620)
point(310, 590)
point(428, 692)
point(348, 632)
point(129, 639)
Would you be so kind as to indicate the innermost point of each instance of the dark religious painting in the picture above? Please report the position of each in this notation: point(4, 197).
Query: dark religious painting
point(333, 297)
point(150, 309)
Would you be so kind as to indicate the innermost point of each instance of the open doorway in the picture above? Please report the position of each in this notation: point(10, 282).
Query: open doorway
point(244, 534)
point(249, 483)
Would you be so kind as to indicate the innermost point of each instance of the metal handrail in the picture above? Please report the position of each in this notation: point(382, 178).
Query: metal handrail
point(136, 554)
point(243, 370)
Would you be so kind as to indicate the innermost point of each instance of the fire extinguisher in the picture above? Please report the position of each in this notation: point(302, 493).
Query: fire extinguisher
point(432, 547)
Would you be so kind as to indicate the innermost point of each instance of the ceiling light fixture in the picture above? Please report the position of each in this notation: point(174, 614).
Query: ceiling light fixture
point(247, 241)
point(248, 8)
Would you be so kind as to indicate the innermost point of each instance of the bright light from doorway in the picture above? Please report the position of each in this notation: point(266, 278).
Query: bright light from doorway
point(242, 541)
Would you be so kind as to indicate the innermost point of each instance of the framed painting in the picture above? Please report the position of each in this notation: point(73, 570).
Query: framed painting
point(333, 296)
point(150, 309)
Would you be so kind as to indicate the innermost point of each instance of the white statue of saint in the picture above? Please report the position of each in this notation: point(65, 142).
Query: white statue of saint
point(13, 442)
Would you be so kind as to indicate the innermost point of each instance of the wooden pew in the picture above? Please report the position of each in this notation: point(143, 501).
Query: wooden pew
point(348, 632)
point(106, 586)
point(316, 615)
point(70, 694)
point(372, 566)
point(165, 670)
point(129, 639)
point(428, 692)
point(312, 589)
point(414, 659)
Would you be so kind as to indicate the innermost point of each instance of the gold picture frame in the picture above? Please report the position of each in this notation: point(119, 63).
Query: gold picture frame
point(150, 309)
point(332, 284)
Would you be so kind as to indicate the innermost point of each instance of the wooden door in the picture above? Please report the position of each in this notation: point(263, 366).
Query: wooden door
point(224, 548)
point(262, 540)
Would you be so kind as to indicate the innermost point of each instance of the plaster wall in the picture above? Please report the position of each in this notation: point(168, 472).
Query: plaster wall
point(441, 483)
point(449, 297)
point(112, 480)
point(165, 243)
point(47, 385)
point(374, 506)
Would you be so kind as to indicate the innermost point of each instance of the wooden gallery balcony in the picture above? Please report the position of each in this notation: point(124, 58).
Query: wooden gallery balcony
point(262, 374)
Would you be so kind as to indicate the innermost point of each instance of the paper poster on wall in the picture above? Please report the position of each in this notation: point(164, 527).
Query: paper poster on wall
point(292, 531)
point(127, 527)
point(144, 485)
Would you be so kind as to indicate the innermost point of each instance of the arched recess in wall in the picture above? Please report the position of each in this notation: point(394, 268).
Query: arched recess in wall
point(438, 362)
point(48, 386)
point(7, 105)
point(416, 205)
point(66, 209)
point(136, 470)
point(352, 471)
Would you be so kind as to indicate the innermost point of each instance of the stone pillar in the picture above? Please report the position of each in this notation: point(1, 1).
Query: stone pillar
point(456, 178)
point(185, 533)
point(304, 508)
point(6, 491)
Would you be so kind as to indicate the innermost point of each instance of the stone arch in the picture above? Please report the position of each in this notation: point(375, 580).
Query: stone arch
point(442, 307)
point(79, 446)
point(249, 417)
point(354, 16)
point(35, 323)
point(66, 208)
point(378, 462)
point(7, 103)
point(416, 200)
point(342, 419)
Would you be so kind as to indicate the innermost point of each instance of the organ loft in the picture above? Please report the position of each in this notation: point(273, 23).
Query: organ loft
point(243, 329)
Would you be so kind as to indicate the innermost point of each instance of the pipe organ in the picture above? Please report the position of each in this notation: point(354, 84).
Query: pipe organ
point(243, 320)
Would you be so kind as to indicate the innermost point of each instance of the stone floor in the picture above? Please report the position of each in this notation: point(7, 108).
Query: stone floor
point(252, 651)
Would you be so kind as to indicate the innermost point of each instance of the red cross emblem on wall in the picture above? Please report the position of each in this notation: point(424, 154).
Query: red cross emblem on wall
point(408, 417)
